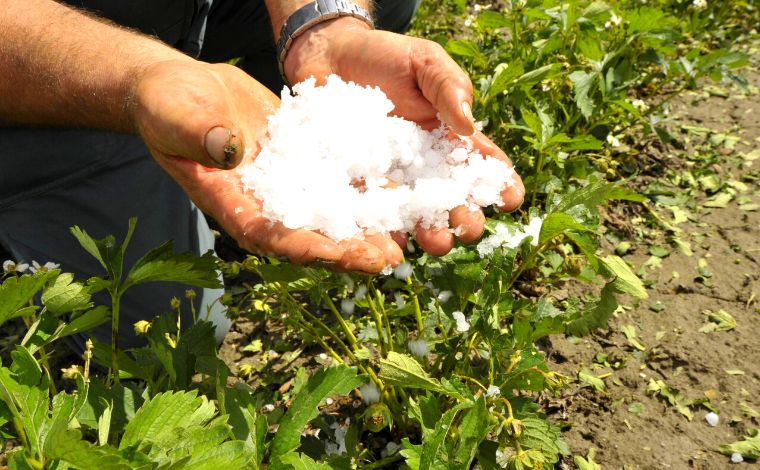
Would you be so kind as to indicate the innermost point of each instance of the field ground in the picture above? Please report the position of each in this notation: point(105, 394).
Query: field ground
point(630, 427)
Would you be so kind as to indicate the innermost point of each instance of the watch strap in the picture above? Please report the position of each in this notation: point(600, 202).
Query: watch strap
point(310, 15)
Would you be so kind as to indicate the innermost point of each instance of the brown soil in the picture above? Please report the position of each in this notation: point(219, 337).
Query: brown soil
point(655, 435)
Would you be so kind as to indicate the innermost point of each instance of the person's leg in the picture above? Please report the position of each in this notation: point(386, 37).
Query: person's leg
point(241, 29)
point(125, 182)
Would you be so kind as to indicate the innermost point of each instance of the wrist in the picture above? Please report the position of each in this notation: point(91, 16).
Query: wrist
point(317, 50)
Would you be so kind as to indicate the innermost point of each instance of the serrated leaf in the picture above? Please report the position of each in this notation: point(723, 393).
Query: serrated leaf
point(625, 281)
point(337, 380)
point(68, 445)
point(474, 427)
point(433, 442)
point(298, 461)
point(718, 321)
point(162, 264)
point(596, 193)
point(539, 434)
point(85, 321)
point(503, 78)
point(159, 419)
point(749, 447)
point(109, 254)
point(65, 295)
point(557, 223)
point(404, 371)
point(16, 292)
point(582, 84)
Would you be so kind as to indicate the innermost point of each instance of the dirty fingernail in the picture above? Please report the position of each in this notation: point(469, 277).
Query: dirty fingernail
point(220, 146)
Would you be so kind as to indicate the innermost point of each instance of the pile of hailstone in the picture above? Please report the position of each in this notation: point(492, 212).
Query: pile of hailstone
point(336, 161)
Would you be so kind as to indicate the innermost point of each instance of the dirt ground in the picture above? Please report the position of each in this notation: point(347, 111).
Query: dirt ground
point(634, 429)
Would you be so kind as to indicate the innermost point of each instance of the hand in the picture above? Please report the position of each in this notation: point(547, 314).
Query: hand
point(421, 80)
point(177, 106)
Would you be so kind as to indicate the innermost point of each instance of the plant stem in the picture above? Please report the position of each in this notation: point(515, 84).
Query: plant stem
point(383, 462)
point(379, 326)
point(416, 303)
point(115, 300)
point(344, 326)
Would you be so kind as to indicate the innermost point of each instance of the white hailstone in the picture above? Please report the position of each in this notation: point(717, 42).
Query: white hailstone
point(360, 292)
point(400, 302)
point(462, 324)
point(390, 449)
point(329, 401)
point(736, 457)
point(323, 356)
point(268, 408)
point(712, 419)
point(347, 306)
point(370, 393)
point(613, 141)
point(493, 391)
point(403, 271)
point(510, 237)
point(418, 347)
point(347, 147)
point(444, 296)
point(699, 4)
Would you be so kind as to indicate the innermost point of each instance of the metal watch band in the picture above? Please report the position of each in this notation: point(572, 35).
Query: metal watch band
point(310, 15)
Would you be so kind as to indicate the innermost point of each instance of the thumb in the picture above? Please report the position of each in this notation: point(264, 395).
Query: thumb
point(446, 86)
point(184, 110)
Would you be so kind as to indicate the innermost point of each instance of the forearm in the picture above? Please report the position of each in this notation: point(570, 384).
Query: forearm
point(59, 66)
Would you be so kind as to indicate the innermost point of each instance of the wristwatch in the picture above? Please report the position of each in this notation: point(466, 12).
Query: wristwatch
point(312, 14)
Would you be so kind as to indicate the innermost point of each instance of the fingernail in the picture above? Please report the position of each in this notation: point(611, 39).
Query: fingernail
point(467, 111)
point(221, 146)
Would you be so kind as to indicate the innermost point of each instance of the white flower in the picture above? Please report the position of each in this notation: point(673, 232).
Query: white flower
point(736, 457)
point(462, 325)
point(493, 391)
point(370, 393)
point(640, 105)
point(360, 292)
point(613, 21)
point(49, 266)
point(347, 306)
point(418, 347)
point(699, 4)
point(712, 419)
point(14, 267)
point(403, 271)
point(613, 141)
point(444, 296)
point(468, 21)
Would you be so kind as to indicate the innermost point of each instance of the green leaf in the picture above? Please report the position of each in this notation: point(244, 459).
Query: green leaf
point(16, 292)
point(162, 264)
point(718, 321)
point(474, 427)
point(491, 20)
point(587, 463)
point(106, 251)
point(586, 377)
point(86, 321)
point(596, 193)
point(625, 281)
point(65, 295)
point(582, 83)
point(404, 371)
point(539, 434)
point(749, 447)
point(557, 223)
point(432, 444)
point(302, 462)
point(503, 78)
point(465, 48)
point(324, 383)
point(68, 445)
point(160, 418)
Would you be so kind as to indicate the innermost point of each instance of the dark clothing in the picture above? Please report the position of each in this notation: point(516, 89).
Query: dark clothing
point(52, 178)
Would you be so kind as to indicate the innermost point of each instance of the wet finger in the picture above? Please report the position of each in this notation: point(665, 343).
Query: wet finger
point(436, 242)
point(467, 224)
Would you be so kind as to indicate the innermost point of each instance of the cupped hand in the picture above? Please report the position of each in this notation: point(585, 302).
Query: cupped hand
point(423, 82)
point(178, 108)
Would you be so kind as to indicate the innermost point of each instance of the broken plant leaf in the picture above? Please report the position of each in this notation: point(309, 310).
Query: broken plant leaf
point(718, 321)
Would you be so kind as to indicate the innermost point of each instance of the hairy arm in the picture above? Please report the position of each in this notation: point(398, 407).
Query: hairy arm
point(59, 66)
